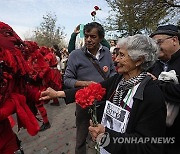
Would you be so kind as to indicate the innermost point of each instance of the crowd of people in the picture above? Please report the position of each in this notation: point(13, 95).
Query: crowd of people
point(140, 74)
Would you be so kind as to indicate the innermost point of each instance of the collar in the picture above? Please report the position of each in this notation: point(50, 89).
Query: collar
point(98, 52)
point(175, 55)
point(140, 90)
point(165, 64)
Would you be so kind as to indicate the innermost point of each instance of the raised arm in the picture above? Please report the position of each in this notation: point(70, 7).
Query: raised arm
point(72, 41)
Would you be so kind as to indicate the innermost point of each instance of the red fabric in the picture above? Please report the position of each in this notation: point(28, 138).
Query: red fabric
point(53, 79)
point(8, 37)
point(21, 63)
point(26, 118)
point(39, 65)
point(33, 92)
point(32, 46)
point(33, 97)
point(17, 103)
point(14, 59)
point(7, 88)
point(51, 59)
point(9, 59)
point(55, 101)
point(10, 50)
point(8, 143)
point(44, 51)
point(12, 121)
point(6, 134)
point(6, 107)
point(10, 147)
point(42, 110)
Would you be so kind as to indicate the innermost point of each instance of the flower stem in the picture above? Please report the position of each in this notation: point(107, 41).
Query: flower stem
point(93, 112)
point(94, 115)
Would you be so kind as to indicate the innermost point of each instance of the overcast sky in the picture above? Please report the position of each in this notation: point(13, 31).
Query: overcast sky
point(24, 15)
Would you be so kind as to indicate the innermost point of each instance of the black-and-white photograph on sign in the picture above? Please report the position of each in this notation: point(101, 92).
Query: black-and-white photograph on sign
point(115, 117)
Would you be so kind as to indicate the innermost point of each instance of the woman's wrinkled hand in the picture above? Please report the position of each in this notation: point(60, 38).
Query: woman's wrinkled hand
point(95, 131)
point(49, 93)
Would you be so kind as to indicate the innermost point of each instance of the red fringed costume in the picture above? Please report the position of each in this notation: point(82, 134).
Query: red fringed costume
point(39, 68)
point(13, 68)
point(25, 70)
point(53, 77)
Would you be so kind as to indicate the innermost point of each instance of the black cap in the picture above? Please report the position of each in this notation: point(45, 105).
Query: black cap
point(171, 30)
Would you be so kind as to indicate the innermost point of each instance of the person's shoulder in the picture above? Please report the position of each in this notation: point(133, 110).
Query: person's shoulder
point(115, 78)
point(105, 48)
point(153, 96)
point(148, 85)
point(76, 52)
point(151, 83)
point(152, 88)
point(106, 51)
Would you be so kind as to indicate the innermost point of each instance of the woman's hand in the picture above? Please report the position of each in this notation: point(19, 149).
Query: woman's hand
point(50, 93)
point(95, 131)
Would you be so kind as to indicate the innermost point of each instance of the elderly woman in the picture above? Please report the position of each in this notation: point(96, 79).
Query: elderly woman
point(135, 113)
point(135, 102)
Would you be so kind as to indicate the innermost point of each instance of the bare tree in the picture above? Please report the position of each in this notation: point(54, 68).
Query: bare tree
point(172, 3)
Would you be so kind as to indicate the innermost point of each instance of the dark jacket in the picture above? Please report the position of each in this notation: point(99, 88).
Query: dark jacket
point(147, 116)
point(171, 92)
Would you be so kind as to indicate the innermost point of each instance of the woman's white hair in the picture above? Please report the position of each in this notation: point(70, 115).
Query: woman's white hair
point(140, 46)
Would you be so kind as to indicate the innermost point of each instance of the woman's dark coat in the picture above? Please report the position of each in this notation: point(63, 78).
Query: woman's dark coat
point(147, 117)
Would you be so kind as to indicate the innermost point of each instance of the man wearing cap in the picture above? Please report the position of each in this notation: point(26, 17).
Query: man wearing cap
point(168, 38)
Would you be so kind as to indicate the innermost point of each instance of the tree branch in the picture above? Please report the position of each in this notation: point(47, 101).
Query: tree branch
point(170, 3)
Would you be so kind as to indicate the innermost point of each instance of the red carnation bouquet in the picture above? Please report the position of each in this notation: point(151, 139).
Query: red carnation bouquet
point(88, 97)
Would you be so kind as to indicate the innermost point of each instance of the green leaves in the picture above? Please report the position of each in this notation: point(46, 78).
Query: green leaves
point(48, 34)
point(139, 16)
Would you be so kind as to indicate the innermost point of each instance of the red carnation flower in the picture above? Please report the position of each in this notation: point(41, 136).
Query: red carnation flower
point(93, 13)
point(86, 96)
point(96, 8)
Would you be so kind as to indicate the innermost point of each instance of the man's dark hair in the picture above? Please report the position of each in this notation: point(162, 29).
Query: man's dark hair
point(57, 50)
point(55, 46)
point(114, 41)
point(88, 27)
point(116, 51)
